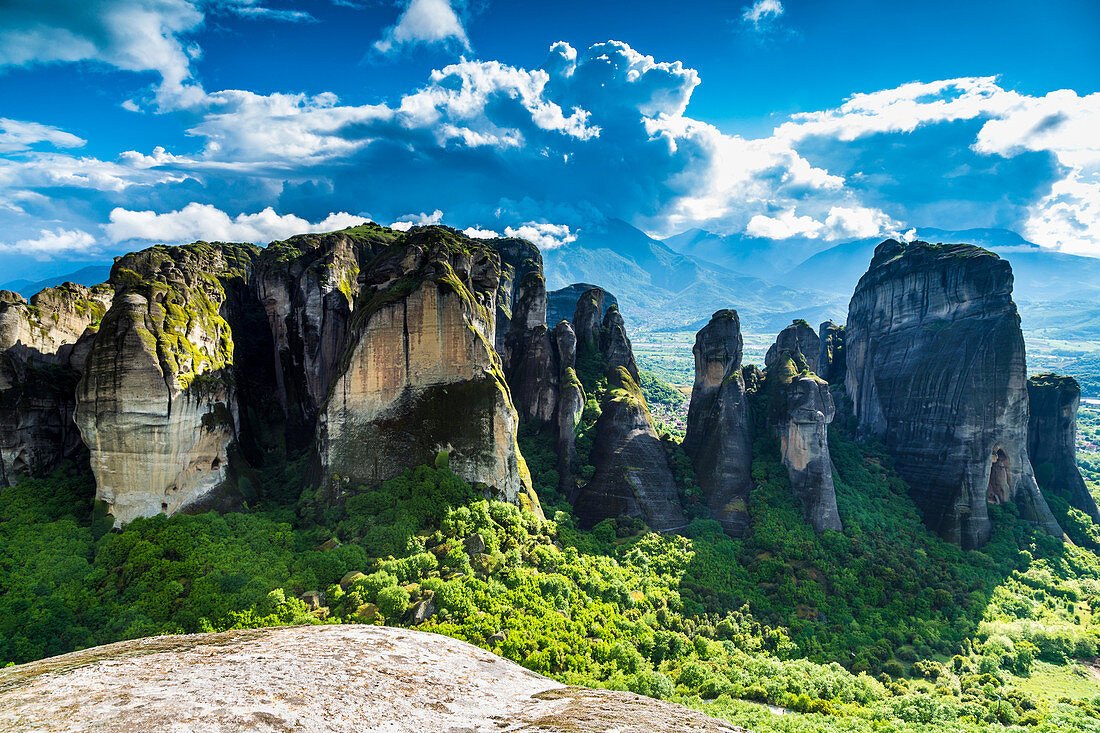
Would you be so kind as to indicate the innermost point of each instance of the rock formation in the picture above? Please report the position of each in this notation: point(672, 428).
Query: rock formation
point(529, 354)
point(615, 345)
point(562, 304)
point(570, 405)
point(830, 362)
point(317, 678)
point(43, 344)
point(935, 370)
point(798, 340)
point(719, 423)
point(518, 259)
point(632, 476)
point(155, 404)
point(800, 409)
point(587, 320)
point(1052, 440)
point(419, 373)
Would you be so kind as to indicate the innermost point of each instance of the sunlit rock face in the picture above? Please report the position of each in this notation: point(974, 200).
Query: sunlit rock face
point(936, 371)
point(1052, 440)
point(155, 404)
point(719, 423)
point(43, 344)
point(419, 374)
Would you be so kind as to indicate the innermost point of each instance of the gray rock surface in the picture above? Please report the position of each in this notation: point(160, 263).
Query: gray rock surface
point(529, 353)
point(562, 303)
point(1052, 440)
point(587, 319)
point(830, 363)
point(798, 340)
point(615, 344)
point(338, 679)
point(719, 423)
point(570, 405)
point(936, 371)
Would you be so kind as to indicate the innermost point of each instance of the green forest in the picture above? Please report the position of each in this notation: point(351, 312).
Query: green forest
point(882, 627)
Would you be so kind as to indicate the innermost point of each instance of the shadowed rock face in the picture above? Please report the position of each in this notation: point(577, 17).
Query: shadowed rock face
point(570, 405)
point(562, 304)
point(615, 345)
point(935, 370)
point(798, 340)
point(800, 409)
point(341, 679)
point(830, 363)
point(420, 375)
point(518, 259)
point(1052, 440)
point(719, 422)
point(529, 354)
point(586, 319)
point(43, 345)
point(632, 475)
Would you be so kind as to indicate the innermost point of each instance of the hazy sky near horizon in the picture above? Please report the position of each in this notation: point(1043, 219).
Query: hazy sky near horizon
point(129, 122)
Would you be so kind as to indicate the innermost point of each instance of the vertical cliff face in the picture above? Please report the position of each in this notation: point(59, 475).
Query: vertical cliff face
point(43, 344)
point(570, 405)
point(800, 409)
point(419, 373)
point(587, 320)
point(632, 476)
point(529, 353)
point(935, 369)
point(1052, 440)
point(719, 423)
point(155, 404)
point(518, 259)
point(615, 344)
point(831, 364)
point(798, 340)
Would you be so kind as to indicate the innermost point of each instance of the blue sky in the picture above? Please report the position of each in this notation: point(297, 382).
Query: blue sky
point(139, 121)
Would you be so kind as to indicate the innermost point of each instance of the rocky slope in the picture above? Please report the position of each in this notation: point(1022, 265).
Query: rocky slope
point(1052, 440)
point(935, 370)
point(719, 423)
point(318, 678)
point(43, 344)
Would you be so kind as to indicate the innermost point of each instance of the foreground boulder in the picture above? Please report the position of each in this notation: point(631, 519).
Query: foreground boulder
point(43, 344)
point(935, 370)
point(317, 678)
point(719, 423)
point(1052, 440)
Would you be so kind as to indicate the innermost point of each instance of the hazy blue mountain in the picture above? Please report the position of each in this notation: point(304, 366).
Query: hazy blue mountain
point(90, 275)
point(660, 288)
point(764, 258)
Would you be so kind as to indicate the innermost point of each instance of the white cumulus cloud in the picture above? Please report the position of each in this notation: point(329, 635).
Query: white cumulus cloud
point(762, 11)
point(424, 22)
point(542, 235)
point(203, 221)
point(407, 222)
point(56, 243)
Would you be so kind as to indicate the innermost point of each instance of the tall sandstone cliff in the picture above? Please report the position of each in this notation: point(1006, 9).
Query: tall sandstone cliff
point(935, 370)
point(1052, 440)
point(43, 344)
point(719, 423)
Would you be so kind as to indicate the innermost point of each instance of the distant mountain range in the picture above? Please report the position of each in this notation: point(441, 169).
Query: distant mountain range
point(90, 275)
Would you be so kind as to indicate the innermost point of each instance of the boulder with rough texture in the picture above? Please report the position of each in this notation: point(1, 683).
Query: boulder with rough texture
point(935, 370)
point(1052, 440)
point(719, 422)
point(155, 404)
point(419, 374)
point(632, 476)
point(798, 340)
point(800, 409)
point(333, 679)
point(43, 344)
point(830, 362)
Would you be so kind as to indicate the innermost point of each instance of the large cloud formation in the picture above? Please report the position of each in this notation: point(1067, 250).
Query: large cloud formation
point(603, 131)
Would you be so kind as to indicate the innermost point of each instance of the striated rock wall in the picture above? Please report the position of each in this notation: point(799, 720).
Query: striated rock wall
point(155, 404)
point(529, 353)
point(419, 373)
point(831, 364)
point(1052, 440)
point(719, 422)
point(43, 344)
point(935, 370)
point(800, 409)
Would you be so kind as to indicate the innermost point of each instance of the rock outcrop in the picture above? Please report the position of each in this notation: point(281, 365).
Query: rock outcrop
point(570, 405)
point(562, 304)
point(155, 404)
point(615, 344)
point(632, 476)
point(798, 340)
point(43, 344)
point(800, 409)
point(587, 319)
point(831, 365)
point(529, 353)
point(419, 373)
point(318, 678)
point(518, 259)
point(935, 370)
point(719, 423)
point(1052, 440)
